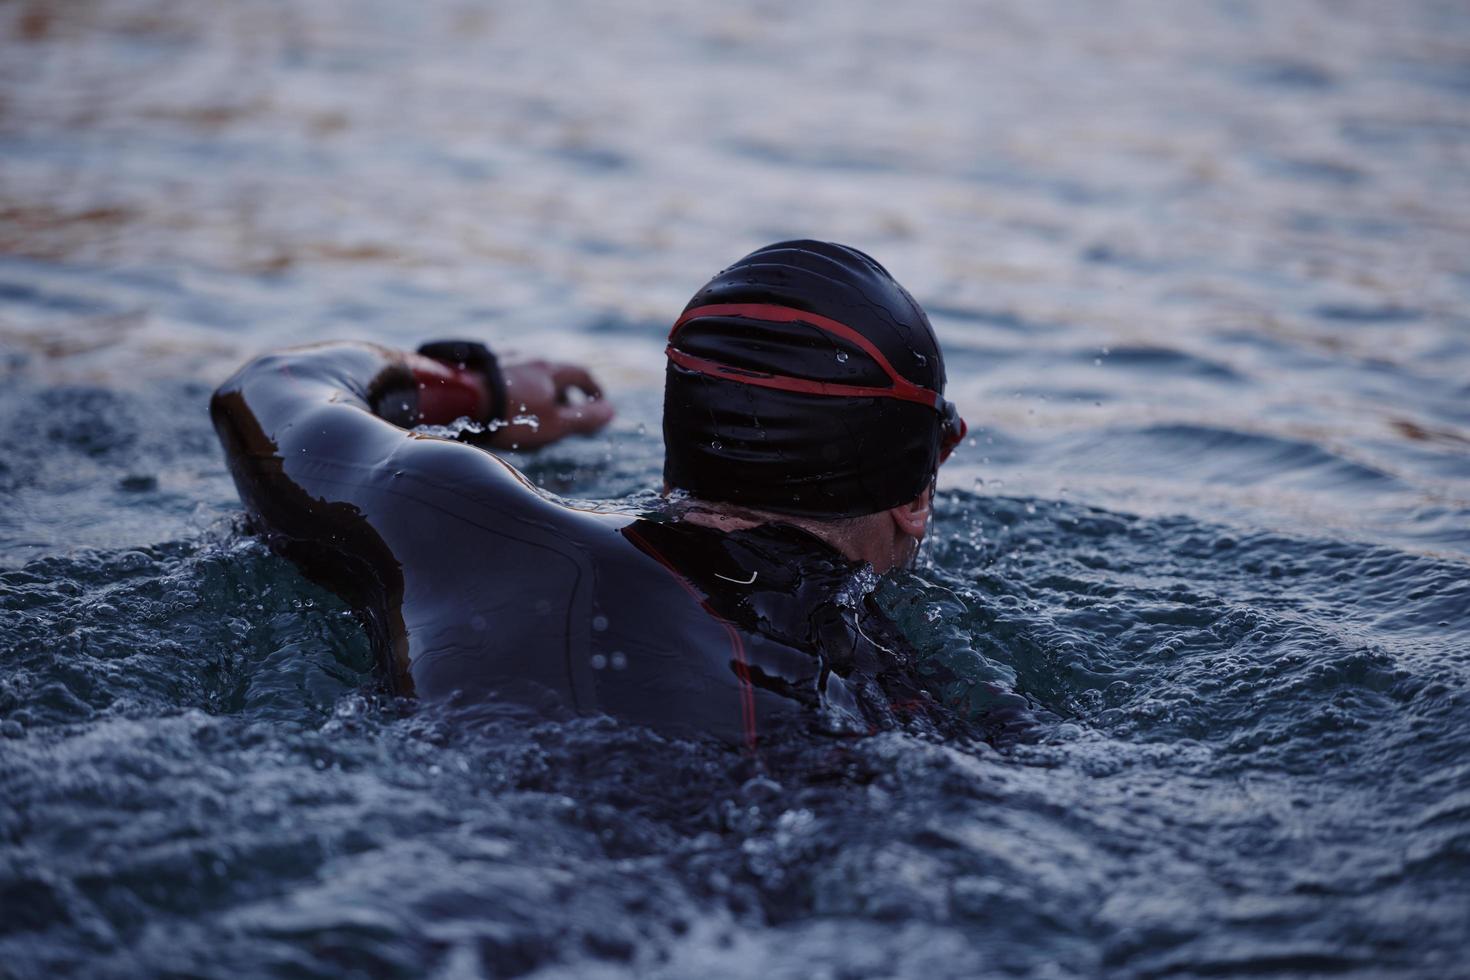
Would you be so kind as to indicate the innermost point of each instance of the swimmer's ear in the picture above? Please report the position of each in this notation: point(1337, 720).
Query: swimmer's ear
point(912, 518)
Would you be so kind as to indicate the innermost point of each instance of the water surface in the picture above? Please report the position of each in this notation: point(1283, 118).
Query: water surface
point(1201, 274)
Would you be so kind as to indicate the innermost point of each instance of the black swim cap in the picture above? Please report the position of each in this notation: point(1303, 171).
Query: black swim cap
point(804, 380)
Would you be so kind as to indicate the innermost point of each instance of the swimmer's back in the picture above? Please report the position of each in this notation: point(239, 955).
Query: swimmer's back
point(474, 584)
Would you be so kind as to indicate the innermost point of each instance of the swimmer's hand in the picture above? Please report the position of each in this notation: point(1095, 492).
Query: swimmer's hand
point(546, 401)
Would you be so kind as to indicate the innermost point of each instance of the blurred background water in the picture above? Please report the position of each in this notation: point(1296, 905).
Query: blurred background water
point(1201, 273)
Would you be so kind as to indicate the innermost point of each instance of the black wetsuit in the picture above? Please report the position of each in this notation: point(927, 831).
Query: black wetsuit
point(473, 582)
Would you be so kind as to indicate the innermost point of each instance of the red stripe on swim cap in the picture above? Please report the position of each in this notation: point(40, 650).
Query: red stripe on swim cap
point(903, 389)
point(805, 386)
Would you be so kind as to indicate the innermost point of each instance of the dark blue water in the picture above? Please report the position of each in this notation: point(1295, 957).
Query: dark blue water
point(1202, 277)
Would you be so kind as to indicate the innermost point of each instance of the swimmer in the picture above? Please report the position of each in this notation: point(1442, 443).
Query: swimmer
point(804, 425)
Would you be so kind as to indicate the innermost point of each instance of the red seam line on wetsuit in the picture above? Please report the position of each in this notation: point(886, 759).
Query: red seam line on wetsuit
point(737, 645)
point(902, 389)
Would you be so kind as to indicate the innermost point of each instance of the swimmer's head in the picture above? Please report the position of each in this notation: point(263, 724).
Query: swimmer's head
point(804, 380)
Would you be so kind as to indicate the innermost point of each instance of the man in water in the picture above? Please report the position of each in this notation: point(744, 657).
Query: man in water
point(804, 424)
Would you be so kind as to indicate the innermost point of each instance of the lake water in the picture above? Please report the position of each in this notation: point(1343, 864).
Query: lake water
point(1202, 272)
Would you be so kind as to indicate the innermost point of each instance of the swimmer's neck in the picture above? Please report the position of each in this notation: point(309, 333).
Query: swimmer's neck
point(857, 538)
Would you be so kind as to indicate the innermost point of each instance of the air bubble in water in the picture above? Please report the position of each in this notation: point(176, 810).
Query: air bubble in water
point(842, 357)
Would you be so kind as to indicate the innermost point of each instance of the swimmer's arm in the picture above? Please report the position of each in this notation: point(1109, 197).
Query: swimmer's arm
point(526, 405)
point(344, 406)
point(378, 514)
point(537, 396)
